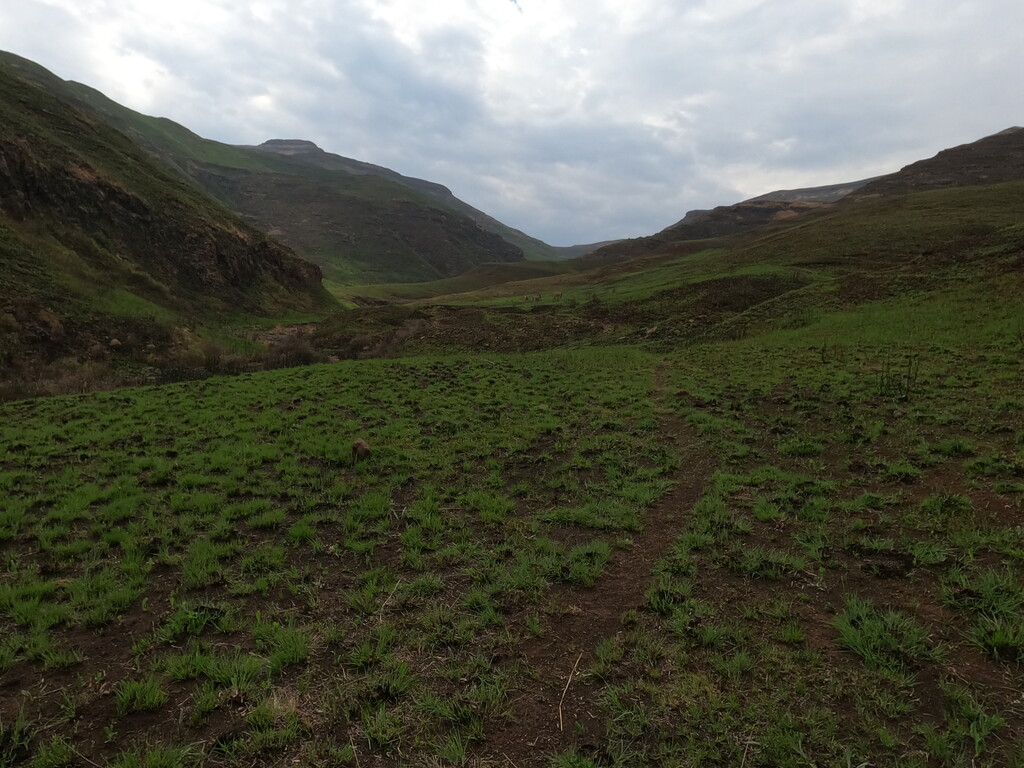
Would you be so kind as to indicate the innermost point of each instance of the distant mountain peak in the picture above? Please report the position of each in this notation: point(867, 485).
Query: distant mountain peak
point(1007, 131)
point(290, 147)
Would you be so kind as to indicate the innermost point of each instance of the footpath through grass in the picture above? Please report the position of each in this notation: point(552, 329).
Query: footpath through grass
point(850, 589)
point(199, 574)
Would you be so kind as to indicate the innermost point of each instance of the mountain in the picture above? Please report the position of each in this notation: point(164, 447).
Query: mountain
point(886, 267)
point(310, 153)
point(360, 222)
point(725, 220)
point(990, 160)
point(98, 240)
point(701, 225)
point(580, 250)
point(361, 227)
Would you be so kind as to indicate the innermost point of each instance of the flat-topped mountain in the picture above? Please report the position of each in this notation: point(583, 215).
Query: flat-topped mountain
point(708, 224)
point(291, 147)
point(829, 193)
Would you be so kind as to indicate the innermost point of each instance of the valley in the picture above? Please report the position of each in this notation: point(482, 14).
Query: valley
point(746, 492)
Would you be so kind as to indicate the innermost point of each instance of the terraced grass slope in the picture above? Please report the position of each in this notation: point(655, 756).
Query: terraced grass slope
point(98, 241)
point(361, 223)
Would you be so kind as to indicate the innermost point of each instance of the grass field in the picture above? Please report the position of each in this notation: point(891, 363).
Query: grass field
point(209, 570)
point(764, 552)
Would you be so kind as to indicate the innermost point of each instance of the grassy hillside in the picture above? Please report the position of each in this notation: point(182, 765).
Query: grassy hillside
point(309, 154)
point(100, 244)
point(359, 229)
point(852, 250)
point(990, 160)
point(359, 222)
point(502, 277)
point(752, 501)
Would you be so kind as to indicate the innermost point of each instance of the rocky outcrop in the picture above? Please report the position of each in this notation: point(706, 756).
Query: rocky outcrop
point(706, 225)
point(731, 219)
point(99, 242)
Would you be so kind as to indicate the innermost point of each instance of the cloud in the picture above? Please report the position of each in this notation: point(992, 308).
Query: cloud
point(573, 120)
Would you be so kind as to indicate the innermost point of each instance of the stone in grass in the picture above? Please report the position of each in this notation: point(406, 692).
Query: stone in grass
point(360, 450)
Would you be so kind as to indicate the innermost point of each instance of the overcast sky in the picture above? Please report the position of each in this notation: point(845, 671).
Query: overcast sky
point(573, 120)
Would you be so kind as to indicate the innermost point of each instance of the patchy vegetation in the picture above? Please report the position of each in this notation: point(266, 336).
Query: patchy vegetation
point(749, 552)
point(213, 568)
point(746, 502)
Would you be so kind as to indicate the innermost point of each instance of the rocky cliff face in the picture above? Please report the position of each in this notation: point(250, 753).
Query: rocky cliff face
point(58, 164)
point(731, 219)
point(208, 255)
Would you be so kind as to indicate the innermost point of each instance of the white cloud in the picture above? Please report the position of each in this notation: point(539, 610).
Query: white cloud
point(574, 120)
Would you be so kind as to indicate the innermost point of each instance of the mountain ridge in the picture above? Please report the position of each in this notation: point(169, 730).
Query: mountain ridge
point(309, 152)
point(347, 243)
point(989, 160)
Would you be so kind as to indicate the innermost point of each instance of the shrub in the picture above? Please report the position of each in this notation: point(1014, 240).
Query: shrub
point(290, 351)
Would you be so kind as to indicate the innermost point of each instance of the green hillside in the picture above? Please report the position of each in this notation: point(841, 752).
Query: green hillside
point(309, 154)
point(100, 243)
point(360, 223)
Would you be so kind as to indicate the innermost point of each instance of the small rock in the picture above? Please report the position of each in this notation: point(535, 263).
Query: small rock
point(360, 450)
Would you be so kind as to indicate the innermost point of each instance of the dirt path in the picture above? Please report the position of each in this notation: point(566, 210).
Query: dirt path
point(534, 731)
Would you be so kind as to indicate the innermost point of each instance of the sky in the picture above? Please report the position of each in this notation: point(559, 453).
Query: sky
point(576, 121)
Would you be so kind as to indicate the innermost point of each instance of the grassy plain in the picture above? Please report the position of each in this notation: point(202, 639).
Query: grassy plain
point(204, 566)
